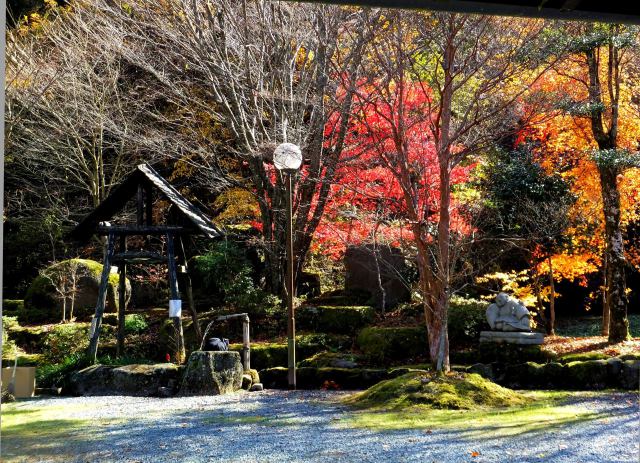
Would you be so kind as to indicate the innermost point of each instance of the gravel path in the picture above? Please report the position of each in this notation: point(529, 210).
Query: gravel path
point(281, 426)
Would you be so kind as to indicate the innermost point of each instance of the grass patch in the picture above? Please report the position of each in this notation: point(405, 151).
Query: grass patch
point(453, 391)
point(231, 420)
point(545, 412)
point(41, 432)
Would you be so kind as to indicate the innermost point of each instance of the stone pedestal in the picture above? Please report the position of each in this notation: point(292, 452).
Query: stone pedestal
point(512, 337)
point(212, 373)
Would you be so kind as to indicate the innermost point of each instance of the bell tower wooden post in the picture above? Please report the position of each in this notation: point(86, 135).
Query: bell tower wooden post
point(175, 303)
point(96, 323)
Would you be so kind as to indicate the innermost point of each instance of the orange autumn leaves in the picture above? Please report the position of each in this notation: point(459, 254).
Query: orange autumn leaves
point(567, 143)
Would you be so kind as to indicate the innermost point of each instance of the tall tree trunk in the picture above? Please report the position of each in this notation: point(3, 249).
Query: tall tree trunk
point(606, 138)
point(551, 327)
point(605, 306)
point(535, 277)
point(615, 274)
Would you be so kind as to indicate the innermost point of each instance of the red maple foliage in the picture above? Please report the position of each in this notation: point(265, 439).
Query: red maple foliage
point(368, 202)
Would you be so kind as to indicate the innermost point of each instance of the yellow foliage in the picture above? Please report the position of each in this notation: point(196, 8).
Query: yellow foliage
point(238, 205)
point(571, 267)
point(517, 284)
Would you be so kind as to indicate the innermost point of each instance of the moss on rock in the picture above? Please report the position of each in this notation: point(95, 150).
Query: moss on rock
point(41, 303)
point(334, 319)
point(458, 391)
point(212, 373)
point(274, 354)
point(583, 356)
point(381, 345)
point(135, 380)
point(330, 359)
point(592, 374)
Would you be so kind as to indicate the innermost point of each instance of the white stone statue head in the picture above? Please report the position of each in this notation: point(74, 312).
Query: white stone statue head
point(502, 299)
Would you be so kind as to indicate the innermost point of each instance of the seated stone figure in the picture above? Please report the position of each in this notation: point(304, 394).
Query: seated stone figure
point(508, 314)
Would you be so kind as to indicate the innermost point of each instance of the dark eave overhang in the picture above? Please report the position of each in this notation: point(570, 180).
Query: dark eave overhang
point(627, 12)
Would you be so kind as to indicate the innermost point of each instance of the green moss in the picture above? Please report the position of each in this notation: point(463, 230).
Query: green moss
point(334, 319)
point(255, 377)
point(381, 345)
point(265, 355)
point(40, 301)
point(328, 341)
point(274, 354)
point(581, 357)
point(546, 410)
point(453, 391)
point(592, 374)
point(329, 359)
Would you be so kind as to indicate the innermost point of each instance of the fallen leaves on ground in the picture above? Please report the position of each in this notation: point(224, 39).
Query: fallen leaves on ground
point(562, 345)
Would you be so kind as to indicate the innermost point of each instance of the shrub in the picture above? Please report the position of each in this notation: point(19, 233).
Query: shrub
point(70, 339)
point(335, 319)
point(381, 345)
point(12, 307)
point(226, 272)
point(8, 345)
point(58, 374)
point(135, 323)
point(467, 317)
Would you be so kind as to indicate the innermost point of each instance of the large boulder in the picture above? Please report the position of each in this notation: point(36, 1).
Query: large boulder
point(133, 380)
point(43, 303)
point(212, 373)
point(368, 269)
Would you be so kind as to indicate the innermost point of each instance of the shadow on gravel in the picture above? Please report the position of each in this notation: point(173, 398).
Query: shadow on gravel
point(274, 427)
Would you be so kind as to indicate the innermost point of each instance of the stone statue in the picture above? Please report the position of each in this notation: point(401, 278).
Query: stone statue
point(508, 314)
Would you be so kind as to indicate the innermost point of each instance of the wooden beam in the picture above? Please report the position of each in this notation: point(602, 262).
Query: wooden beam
point(189, 288)
point(610, 12)
point(139, 206)
point(96, 323)
point(148, 202)
point(139, 257)
point(180, 353)
point(122, 296)
point(143, 230)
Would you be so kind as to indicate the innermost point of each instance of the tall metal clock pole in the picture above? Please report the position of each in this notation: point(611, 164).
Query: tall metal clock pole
point(288, 158)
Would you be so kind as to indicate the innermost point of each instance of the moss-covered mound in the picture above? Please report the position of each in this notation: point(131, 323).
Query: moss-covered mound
point(43, 304)
point(456, 391)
